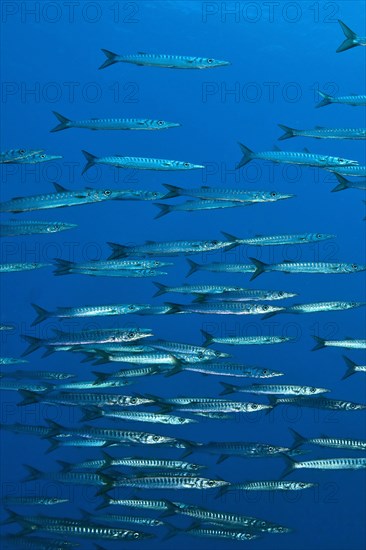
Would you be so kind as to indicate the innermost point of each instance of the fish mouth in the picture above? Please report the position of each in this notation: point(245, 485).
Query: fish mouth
point(173, 125)
point(197, 166)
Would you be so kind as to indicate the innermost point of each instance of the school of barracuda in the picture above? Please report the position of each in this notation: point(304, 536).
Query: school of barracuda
point(142, 353)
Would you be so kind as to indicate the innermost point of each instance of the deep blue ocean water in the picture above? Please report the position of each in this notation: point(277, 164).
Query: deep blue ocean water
point(280, 54)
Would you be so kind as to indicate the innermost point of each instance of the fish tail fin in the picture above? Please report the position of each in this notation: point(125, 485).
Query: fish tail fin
point(194, 266)
point(34, 344)
point(171, 509)
point(222, 458)
point(162, 289)
point(54, 444)
point(105, 503)
point(174, 191)
point(289, 132)
point(350, 38)
point(64, 122)
point(231, 239)
point(272, 401)
point(248, 154)
point(320, 343)
point(100, 377)
point(55, 429)
point(290, 465)
point(90, 161)
point(111, 59)
point(65, 466)
point(90, 413)
point(63, 267)
point(173, 308)
point(108, 462)
point(350, 367)
point(118, 250)
point(172, 531)
point(222, 491)
point(208, 338)
point(260, 268)
point(298, 439)
point(29, 397)
point(343, 183)
point(42, 314)
point(228, 388)
point(164, 209)
point(33, 473)
point(189, 447)
point(13, 517)
point(327, 99)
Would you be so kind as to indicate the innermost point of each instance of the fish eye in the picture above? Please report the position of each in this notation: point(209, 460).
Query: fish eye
point(42, 156)
point(354, 266)
point(273, 194)
point(312, 390)
point(263, 523)
point(302, 484)
point(217, 353)
point(107, 192)
point(156, 438)
point(254, 406)
point(133, 400)
point(131, 307)
point(352, 406)
point(135, 535)
point(186, 164)
point(200, 355)
point(281, 293)
point(21, 151)
point(156, 262)
point(265, 308)
point(210, 61)
point(215, 243)
point(160, 122)
point(131, 334)
point(280, 529)
point(154, 194)
point(271, 449)
point(211, 483)
point(265, 371)
point(181, 420)
point(319, 236)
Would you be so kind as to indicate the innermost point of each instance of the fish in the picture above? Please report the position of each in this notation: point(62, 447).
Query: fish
point(326, 441)
point(90, 384)
point(306, 267)
point(273, 389)
point(33, 501)
point(149, 370)
point(319, 132)
point(244, 340)
point(223, 308)
point(226, 518)
point(271, 240)
point(38, 375)
point(36, 158)
point(200, 289)
point(350, 343)
point(347, 184)
point(16, 385)
point(169, 481)
point(352, 367)
point(13, 155)
point(86, 311)
point(63, 197)
point(112, 124)
point(143, 504)
point(12, 361)
point(28, 429)
point(194, 206)
point(214, 532)
point(226, 369)
point(268, 486)
point(113, 518)
point(209, 404)
point(65, 267)
point(352, 39)
point(138, 163)
point(249, 294)
point(36, 543)
point(162, 60)
point(317, 307)
point(84, 399)
point(21, 266)
point(14, 228)
point(231, 195)
point(316, 403)
point(135, 416)
point(353, 99)
point(149, 358)
point(169, 248)
point(219, 267)
point(302, 158)
point(78, 478)
point(354, 171)
point(124, 273)
point(324, 464)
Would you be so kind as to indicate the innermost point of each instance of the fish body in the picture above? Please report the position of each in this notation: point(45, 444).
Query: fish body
point(324, 464)
point(195, 206)
point(37, 375)
point(21, 266)
point(14, 228)
point(170, 482)
point(16, 385)
point(352, 39)
point(85, 399)
point(354, 100)
point(197, 353)
point(350, 343)
point(331, 442)
point(221, 533)
point(289, 157)
point(112, 124)
point(273, 389)
point(137, 416)
point(223, 308)
point(65, 267)
point(324, 133)
point(214, 193)
point(232, 369)
point(318, 307)
point(202, 289)
point(244, 340)
point(162, 60)
point(141, 463)
point(354, 171)
point(14, 155)
point(247, 295)
point(318, 403)
point(138, 163)
point(306, 267)
point(33, 501)
point(272, 240)
point(272, 486)
point(219, 267)
point(347, 184)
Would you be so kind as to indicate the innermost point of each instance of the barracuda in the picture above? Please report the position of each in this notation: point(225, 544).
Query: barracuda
point(272, 240)
point(306, 267)
point(354, 100)
point(14, 155)
point(318, 307)
point(170, 482)
point(215, 193)
point(143, 504)
point(317, 403)
point(222, 308)
point(272, 389)
point(84, 398)
point(37, 158)
point(227, 369)
point(320, 132)
point(247, 295)
point(196, 206)
point(37, 543)
point(244, 340)
point(14, 228)
point(219, 267)
point(268, 486)
point(162, 60)
point(112, 124)
point(198, 353)
point(354, 171)
point(324, 464)
point(13, 267)
point(326, 441)
point(138, 416)
point(350, 343)
point(200, 289)
point(12, 361)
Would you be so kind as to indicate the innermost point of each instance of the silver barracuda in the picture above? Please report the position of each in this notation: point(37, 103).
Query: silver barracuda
point(352, 367)
point(324, 464)
point(33, 501)
point(14, 155)
point(320, 132)
point(112, 124)
point(84, 399)
point(37, 375)
point(217, 533)
point(219, 267)
point(223, 308)
point(136, 416)
point(227, 369)
point(169, 482)
point(317, 403)
point(326, 441)
point(170, 248)
point(65, 267)
point(148, 358)
point(114, 518)
point(349, 343)
point(11, 361)
point(318, 307)
point(209, 404)
point(272, 240)
point(201, 289)
point(352, 99)
point(138, 163)
point(247, 449)
point(272, 389)
point(268, 486)
point(302, 158)
point(162, 60)
point(90, 384)
point(354, 171)
point(79, 478)
point(143, 504)
point(352, 39)
point(22, 266)
point(306, 267)
point(14, 228)
point(344, 183)
point(37, 158)
point(197, 353)
point(247, 295)
point(196, 206)
point(244, 340)
point(214, 193)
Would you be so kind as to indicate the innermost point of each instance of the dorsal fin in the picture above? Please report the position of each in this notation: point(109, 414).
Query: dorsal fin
point(59, 188)
point(276, 148)
point(306, 150)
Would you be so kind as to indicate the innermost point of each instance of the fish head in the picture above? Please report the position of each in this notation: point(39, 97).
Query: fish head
point(298, 485)
point(208, 354)
point(339, 161)
point(132, 334)
point(266, 308)
point(161, 124)
point(137, 535)
point(156, 439)
point(314, 391)
point(135, 400)
point(278, 529)
point(60, 226)
point(252, 407)
point(266, 449)
point(353, 268)
point(41, 157)
point(281, 294)
point(355, 407)
point(273, 196)
point(267, 373)
point(208, 63)
point(315, 237)
point(180, 420)
point(211, 483)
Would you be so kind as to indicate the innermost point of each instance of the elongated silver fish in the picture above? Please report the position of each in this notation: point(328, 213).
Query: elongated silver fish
point(243, 340)
point(352, 99)
point(350, 343)
point(170, 248)
point(79, 478)
point(217, 533)
point(84, 399)
point(319, 132)
point(352, 39)
point(65, 267)
point(324, 464)
point(306, 267)
point(37, 375)
point(219, 267)
point(112, 123)
point(136, 462)
point(114, 518)
point(33, 501)
point(317, 307)
point(143, 504)
point(268, 486)
point(198, 353)
point(63, 197)
point(227, 369)
point(302, 158)
point(223, 308)
point(149, 370)
point(246, 449)
point(210, 404)
point(170, 482)
point(272, 240)
point(16, 385)
point(162, 60)
point(347, 184)
point(317, 403)
point(90, 384)
point(136, 416)
point(11, 361)
point(248, 294)
point(138, 163)
point(36, 158)
point(354, 171)
point(202, 289)
point(148, 358)
point(14, 228)
point(214, 193)
point(272, 389)
point(326, 441)
point(21, 266)
point(352, 367)
point(196, 206)
point(13, 155)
